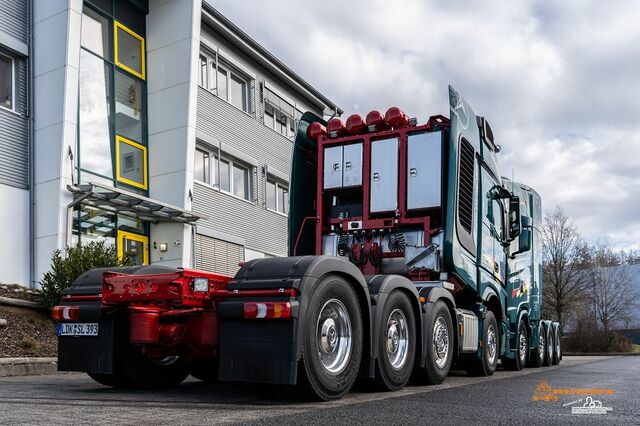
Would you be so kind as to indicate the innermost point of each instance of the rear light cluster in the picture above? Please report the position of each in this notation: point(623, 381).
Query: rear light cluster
point(355, 125)
point(267, 310)
point(65, 313)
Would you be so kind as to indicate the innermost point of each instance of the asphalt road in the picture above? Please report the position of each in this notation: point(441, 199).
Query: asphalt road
point(504, 398)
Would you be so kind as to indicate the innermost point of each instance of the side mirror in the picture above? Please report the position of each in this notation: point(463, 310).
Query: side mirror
point(524, 242)
point(514, 217)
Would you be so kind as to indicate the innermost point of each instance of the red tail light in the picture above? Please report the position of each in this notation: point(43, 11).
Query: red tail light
point(267, 310)
point(65, 313)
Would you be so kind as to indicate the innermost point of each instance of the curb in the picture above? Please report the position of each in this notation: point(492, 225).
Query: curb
point(27, 366)
point(601, 354)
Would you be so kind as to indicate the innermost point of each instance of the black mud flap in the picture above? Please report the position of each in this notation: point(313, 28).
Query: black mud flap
point(89, 354)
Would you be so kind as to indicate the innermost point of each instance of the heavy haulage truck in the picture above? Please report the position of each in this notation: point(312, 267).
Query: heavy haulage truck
point(409, 253)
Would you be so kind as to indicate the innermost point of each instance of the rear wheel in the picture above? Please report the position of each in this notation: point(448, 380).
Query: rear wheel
point(486, 365)
point(205, 370)
point(332, 341)
point(556, 345)
point(396, 342)
point(522, 350)
point(538, 354)
point(439, 342)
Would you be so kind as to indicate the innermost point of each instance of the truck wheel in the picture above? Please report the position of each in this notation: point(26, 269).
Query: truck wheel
point(396, 342)
point(486, 366)
point(439, 341)
point(522, 350)
point(556, 346)
point(205, 370)
point(153, 373)
point(538, 353)
point(332, 341)
point(550, 338)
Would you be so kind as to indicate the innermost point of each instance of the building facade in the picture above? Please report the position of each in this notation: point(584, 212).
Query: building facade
point(156, 126)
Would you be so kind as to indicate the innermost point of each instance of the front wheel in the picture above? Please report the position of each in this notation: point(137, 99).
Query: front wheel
point(332, 341)
point(522, 350)
point(557, 350)
point(486, 365)
point(396, 342)
point(439, 341)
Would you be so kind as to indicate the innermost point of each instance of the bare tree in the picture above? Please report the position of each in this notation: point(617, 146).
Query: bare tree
point(611, 291)
point(564, 263)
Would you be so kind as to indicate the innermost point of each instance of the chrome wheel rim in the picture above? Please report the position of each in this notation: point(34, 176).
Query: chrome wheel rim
point(440, 342)
point(397, 343)
point(523, 347)
point(168, 360)
point(541, 348)
point(492, 344)
point(550, 351)
point(334, 336)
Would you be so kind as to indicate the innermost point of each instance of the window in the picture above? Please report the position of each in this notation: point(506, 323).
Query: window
point(277, 197)
point(201, 169)
point(129, 50)
point(224, 173)
point(129, 106)
point(7, 82)
point(131, 163)
point(279, 114)
point(95, 33)
point(216, 75)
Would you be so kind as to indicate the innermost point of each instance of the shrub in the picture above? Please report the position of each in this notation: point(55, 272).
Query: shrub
point(28, 344)
point(78, 259)
point(591, 340)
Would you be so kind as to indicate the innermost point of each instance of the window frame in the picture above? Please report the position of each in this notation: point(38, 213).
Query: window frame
point(144, 239)
point(278, 183)
point(214, 172)
point(145, 184)
point(211, 83)
point(12, 108)
point(118, 25)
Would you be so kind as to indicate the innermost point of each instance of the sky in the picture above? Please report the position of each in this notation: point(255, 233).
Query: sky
point(559, 81)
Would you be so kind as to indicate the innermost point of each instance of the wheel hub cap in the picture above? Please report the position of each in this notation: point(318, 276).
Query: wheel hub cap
point(523, 347)
point(491, 344)
point(333, 336)
point(397, 339)
point(440, 342)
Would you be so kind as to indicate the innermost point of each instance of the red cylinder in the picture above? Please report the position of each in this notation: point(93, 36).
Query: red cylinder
point(355, 124)
point(375, 119)
point(335, 128)
point(396, 117)
point(204, 329)
point(315, 130)
point(144, 325)
point(171, 334)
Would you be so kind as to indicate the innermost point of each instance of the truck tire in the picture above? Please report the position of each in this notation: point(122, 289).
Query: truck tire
point(439, 340)
point(205, 370)
point(522, 350)
point(550, 336)
point(539, 353)
point(556, 345)
point(331, 342)
point(486, 365)
point(396, 342)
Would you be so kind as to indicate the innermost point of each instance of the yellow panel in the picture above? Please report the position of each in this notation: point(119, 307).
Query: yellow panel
point(135, 237)
point(143, 148)
point(117, 25)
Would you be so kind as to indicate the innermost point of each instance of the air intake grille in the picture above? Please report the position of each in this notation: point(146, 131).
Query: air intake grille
point(465, 189)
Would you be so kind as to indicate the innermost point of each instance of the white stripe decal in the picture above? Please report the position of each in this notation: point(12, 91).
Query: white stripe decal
point(65, 313)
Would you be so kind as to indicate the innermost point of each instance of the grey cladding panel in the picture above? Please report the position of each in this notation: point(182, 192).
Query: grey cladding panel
point(424, 170)
point(384, 175)
point(352, 165)
point(333, 167)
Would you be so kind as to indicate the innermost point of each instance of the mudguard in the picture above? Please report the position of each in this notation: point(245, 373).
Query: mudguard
point(269, 351)
point(380, 287)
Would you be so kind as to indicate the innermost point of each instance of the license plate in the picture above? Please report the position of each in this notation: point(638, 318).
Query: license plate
point(77, 329)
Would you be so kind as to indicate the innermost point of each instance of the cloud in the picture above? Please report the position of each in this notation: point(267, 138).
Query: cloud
point(559, 81)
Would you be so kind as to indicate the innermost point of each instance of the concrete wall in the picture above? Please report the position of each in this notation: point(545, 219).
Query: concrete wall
point(173, 37)
point(14, 221)
point(56, 61)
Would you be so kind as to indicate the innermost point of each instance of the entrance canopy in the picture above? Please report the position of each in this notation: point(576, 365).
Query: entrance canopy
point(120, 201)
